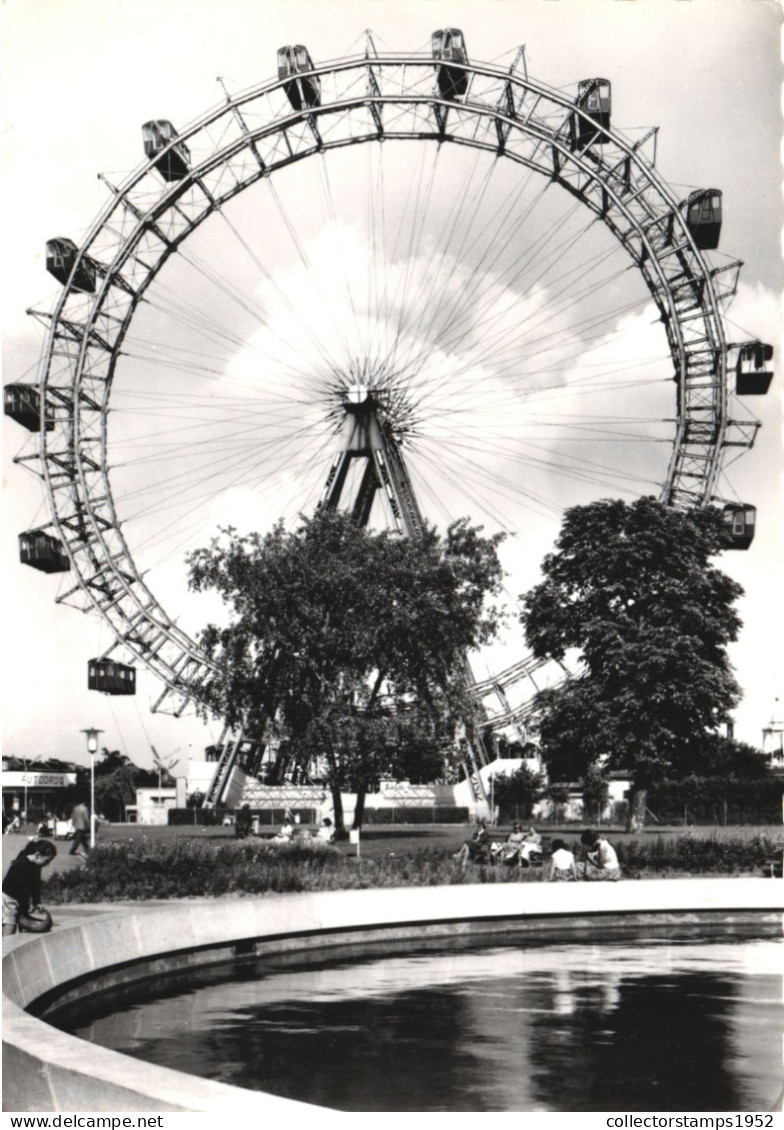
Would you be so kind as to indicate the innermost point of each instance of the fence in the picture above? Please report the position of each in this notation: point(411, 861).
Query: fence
point(421, 814)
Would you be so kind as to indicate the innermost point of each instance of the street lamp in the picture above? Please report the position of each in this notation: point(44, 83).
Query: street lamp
point(92, 749)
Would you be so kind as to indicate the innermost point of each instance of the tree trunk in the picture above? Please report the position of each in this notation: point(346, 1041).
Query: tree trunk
point(337, 804)
point(637, 807)
point(359, 811)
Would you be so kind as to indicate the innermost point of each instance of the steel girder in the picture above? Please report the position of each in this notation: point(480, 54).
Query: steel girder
point(248, 138)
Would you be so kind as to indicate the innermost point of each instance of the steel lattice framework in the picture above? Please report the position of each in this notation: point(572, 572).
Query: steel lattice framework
point(253, 134)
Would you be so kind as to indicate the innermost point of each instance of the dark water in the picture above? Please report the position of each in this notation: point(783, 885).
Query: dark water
point(611, 1026)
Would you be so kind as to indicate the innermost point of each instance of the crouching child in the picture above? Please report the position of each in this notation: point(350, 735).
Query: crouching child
point(22, 883)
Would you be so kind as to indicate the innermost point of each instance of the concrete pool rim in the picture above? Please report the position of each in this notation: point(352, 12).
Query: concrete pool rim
point(48, 1070)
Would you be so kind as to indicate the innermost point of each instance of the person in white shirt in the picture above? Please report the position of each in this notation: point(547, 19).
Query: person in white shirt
point(326, 832)
point(562, 863)
point(286, 833)
point(602, 862)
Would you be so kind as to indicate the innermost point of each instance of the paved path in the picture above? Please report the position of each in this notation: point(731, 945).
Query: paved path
point(14, 843)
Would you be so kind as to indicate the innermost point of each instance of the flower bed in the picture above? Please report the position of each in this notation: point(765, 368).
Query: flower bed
point(187, 867)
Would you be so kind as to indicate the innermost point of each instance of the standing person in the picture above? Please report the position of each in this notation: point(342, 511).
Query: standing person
point(22, 882)
point(562, 865)
point(602, 862)
point(80, 818)
point(243, 823)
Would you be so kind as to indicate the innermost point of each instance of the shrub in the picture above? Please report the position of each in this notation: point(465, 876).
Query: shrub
point(191, 866)
point(516, 795)
point(697, 855)
point(717, 800)
point(201, 817)
point(183, 867)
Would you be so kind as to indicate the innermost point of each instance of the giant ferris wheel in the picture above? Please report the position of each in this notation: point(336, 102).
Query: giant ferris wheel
point(416, 286)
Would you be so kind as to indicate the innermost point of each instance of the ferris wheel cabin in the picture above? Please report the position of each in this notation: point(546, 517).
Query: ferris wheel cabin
point(448, 44)
point(173, 163)
point(110, 677)
point(43, 551)
point(302, 91)
point(61, 256)
point(23, 403)
point(594, 98)
point(740, 519)
point(753, 372)
point(703, 218)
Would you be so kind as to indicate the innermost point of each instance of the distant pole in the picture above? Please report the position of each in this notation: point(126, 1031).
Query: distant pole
point(92, 749)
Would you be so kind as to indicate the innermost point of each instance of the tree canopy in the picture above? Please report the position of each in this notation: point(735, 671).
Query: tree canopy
point(633, 588)
point(116, 780)
point(340, 640)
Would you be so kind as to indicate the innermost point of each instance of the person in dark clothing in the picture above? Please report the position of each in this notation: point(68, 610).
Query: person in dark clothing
point(22, 882)
point(477, 849)
point(243, 824)
point(80, 818)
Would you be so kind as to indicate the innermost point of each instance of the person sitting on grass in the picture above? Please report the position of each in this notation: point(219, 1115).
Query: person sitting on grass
point(326, 832)
point(46, 826)
point(286, 833)
point(22, 882)
point(475, 850)
point(530, 848)
point(509, 852)
point(562, 865)
point(602, 862)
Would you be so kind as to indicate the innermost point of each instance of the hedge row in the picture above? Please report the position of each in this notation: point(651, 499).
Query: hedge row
point(201, 817)
point(266, 816)
point(191, 866)
point(433, 814)
point(717, 800)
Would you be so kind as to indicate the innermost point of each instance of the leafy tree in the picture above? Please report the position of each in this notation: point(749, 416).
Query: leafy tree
point(116, 780)
point(335, 632)
point(114, 790)
point(634, 589)
point(726, 757)
point(595, 792)
point(518, 792)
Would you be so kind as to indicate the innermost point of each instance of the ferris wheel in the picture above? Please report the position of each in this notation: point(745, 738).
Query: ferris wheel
point(411, 284)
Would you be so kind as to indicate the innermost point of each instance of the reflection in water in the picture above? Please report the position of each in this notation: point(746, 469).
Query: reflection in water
point(687, 1025)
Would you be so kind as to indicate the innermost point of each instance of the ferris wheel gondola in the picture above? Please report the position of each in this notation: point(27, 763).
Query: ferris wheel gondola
point(306, 116)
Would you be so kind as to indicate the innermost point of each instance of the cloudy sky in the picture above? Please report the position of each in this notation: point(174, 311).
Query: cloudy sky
point(536, 375)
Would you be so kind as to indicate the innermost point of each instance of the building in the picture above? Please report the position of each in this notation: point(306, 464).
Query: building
point(37, 787)
point(152, 806)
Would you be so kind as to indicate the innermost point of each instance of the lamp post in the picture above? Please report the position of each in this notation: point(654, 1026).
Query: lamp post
point(92, 749)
